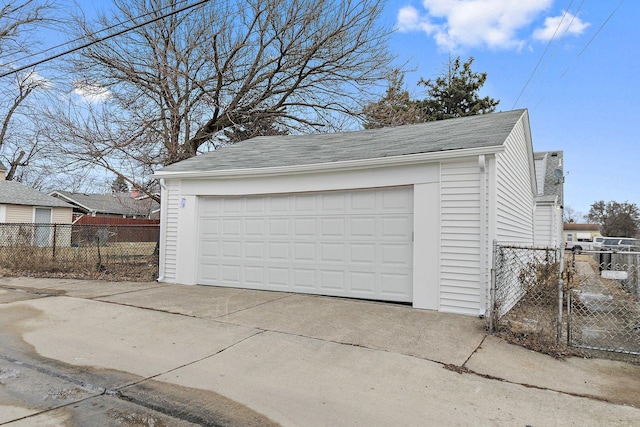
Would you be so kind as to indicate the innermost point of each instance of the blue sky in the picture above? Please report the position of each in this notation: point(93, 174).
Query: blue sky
point(583, 97)
point(580, 86)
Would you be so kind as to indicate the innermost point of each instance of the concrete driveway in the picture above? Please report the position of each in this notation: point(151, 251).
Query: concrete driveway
point(101, 353)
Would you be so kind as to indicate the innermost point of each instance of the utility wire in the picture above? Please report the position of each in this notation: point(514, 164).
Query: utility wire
point(542, 56)
point(555, 50)
point(564, 33)
point(91, 43)
point(593, 37)
point(94, 34)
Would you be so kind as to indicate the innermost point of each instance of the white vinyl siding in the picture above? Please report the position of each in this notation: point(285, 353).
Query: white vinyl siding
point(548, 220)
point(514, 195)
point(460, 237)
point(171, 233)
point(543, 221)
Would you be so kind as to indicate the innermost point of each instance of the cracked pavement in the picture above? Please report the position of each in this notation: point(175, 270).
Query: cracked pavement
point(81, 353)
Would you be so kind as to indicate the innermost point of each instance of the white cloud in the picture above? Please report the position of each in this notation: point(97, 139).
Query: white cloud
point(471, 23)
point(90, 92)
point(559, 25)
point(33, 79)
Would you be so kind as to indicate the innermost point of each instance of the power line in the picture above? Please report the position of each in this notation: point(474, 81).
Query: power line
point(91, 43)
point(542, 56)
point(83, 37)
point(564, 33)
point(593, 37)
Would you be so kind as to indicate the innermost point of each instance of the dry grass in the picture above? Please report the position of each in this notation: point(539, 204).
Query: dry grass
point(135, 261)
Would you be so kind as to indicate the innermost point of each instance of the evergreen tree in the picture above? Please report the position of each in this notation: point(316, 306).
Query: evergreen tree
point(455, 93)
point(395, 108)
point(119, 185)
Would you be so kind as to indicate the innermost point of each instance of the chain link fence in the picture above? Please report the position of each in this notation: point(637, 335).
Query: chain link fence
point(603, 300)
point(526, 303)
point(80, 251)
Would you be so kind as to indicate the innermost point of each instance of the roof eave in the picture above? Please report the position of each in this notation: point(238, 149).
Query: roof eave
point(408, 159)
point(72, 201)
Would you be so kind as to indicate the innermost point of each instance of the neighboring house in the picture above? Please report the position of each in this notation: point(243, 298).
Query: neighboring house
point(407, 213)
point(20, 204)
point(549, 198)
point(580, 233)
point(117, 205)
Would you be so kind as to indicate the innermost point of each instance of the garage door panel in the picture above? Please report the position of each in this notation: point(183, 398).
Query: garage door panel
point(334, 202)
point(394, 285)
point(254, 226)
point(278, 277)
point(231, 249)
point(395, 255)
point(209, 227)
point(332, 280)
point(304, 278)
point(332, 227)
point(232, 205)
point(278, 227)
point(254, 276)
point(231, 227)
point(304, 252)
point(305, 227)
point(396, 226)
point(305, 203)
point(256, 205)
point(362, 227)
point(363, 253)
point(362, 202)
point(278, 204)
point(209, 249)
point(332, 252)
point(278, 251)
point(231, 274)
point(210, 271)
point(363, 283)
point(344, 243)
point(395, 201)
point(254, 250)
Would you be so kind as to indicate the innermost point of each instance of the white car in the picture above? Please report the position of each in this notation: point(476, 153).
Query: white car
point(626, 244)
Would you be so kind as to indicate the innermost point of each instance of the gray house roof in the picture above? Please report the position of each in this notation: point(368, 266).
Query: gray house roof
point(113, 204)
point(486, 130)
point(15, 193)
point(552, 188)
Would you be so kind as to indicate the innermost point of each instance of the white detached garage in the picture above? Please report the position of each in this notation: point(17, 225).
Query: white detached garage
point(397, 214)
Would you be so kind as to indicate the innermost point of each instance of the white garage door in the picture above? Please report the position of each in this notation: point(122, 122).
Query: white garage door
point(354, 243)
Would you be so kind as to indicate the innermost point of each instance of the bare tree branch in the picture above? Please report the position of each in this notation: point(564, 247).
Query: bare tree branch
point(223, 72)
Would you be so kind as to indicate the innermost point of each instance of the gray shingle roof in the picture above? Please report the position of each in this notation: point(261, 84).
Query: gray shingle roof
point(479, 131)
point(552, 184)
point(15, 193)
point(115, 204)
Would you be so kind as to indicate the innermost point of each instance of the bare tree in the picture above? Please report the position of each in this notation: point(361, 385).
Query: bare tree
point(19, 137)
point(571, 215)
point(219, 73)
